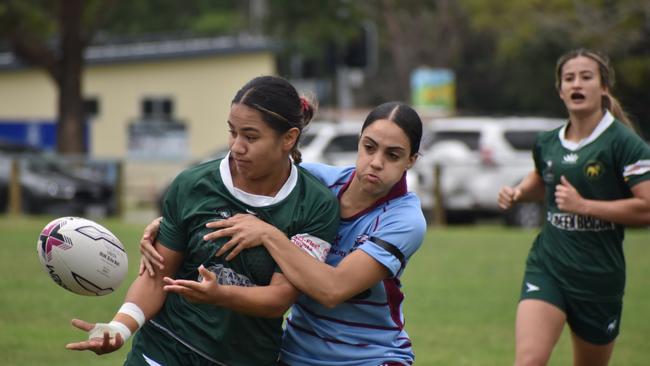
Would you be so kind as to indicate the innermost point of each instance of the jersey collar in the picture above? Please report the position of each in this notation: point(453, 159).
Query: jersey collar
point(256, 200)
point(605, 122)
point(399, 189)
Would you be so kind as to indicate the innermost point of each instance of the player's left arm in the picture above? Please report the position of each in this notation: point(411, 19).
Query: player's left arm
point(633, 211)
point(270, 301)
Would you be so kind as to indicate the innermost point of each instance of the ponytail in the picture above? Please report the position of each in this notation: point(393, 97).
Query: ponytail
point(308, 106)
point(616, 109)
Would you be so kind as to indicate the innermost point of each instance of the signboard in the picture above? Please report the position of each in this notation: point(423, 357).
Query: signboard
point(433, 89)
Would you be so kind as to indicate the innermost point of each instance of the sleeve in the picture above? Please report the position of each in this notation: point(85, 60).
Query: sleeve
point(172, 232)
point(317, 236)
point(398, 236)
point(326, 174)
point(634, 160)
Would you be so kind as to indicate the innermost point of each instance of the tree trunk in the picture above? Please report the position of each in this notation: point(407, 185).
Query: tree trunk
point(70, 127)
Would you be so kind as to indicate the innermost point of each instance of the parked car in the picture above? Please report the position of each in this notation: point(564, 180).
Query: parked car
point(56, 185)
point(477, 156)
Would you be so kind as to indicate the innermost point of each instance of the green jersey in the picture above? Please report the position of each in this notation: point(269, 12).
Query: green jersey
point(205, 193)
point(583, 253)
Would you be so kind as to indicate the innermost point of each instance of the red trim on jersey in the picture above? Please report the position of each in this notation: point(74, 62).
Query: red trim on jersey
point(395, 298)
point(399, 189)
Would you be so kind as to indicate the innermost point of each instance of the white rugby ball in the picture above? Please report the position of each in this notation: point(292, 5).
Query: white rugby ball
point(82, 256)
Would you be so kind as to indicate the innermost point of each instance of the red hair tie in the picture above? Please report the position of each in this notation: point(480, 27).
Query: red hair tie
point(304, 104)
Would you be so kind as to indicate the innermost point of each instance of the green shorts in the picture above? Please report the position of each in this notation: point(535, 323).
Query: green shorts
point(150, 348)
point(595, 322)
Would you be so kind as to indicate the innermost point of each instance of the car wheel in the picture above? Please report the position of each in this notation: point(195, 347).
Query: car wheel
point(525, 214)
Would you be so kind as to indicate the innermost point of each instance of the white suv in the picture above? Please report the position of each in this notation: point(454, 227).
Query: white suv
point(477, 156)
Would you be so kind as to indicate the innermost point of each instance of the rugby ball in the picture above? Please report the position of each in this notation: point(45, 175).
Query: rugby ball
point(82, 256)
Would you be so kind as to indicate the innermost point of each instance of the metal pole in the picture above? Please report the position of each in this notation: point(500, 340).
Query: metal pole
point(439, 217)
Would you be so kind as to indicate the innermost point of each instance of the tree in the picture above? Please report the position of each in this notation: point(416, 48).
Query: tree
point(53, 36)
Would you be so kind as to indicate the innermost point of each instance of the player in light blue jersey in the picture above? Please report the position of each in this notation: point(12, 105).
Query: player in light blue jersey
point(594, 176)
point(351, 310)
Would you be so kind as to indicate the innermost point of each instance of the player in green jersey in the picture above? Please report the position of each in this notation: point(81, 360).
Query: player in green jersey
point(256, 177)
point(594, 176)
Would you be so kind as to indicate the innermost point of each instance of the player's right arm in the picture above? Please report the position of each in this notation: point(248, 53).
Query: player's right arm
point(146, 293)
point(531, 188)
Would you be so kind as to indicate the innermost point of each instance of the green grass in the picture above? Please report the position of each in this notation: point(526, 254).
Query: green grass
point(461, 291)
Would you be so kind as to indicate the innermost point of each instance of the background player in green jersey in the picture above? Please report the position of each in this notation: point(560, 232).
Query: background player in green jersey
point(594, 175)
point(256, 177)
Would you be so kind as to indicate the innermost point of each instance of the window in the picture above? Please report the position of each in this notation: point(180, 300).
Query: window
point(343, 144)
point(521, 140)
point(469, 138)
point(161, 108)
point(91, 107)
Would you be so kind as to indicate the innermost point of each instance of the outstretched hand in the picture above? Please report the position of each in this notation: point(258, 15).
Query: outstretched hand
point(207, 291)
point(99, 345)
point(150, 258)
point(245, 231)
point(567, 197)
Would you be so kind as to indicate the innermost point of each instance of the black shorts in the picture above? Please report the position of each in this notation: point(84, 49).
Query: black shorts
point(595, 322)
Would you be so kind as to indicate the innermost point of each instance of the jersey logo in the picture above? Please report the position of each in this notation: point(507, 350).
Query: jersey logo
point(570, 158)
point(223, 212)
point(612, 326)
point(531, 288)
point(227, 276)
point(547, 173)
point(594, 169)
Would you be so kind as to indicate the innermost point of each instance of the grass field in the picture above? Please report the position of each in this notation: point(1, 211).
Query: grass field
point(461, 290)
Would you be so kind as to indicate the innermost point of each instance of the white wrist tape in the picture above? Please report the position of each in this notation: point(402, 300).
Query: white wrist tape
point(134, 311)
point(112, 328)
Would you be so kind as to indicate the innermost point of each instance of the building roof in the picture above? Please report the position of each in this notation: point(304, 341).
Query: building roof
point(145, 50)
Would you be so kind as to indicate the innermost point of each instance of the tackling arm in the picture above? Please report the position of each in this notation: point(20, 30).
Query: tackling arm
point(326, 284)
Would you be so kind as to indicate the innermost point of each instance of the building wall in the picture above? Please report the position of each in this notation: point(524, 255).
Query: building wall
point(200, 87)
point(27, 94)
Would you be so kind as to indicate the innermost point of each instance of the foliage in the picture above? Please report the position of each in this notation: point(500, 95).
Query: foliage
point(197, 17)
point(460, 289)
point(532, 34)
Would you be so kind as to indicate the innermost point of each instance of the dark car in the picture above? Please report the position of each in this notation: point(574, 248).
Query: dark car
point(56, 185)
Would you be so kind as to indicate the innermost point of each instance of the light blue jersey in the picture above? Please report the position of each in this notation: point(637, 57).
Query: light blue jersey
point(369, 328)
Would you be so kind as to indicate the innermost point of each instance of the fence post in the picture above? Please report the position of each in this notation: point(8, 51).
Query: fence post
point(119, 189)
point(439, 217)
point(15, 193)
